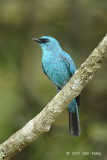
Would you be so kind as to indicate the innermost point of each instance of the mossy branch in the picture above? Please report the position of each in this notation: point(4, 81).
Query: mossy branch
point(42, 122)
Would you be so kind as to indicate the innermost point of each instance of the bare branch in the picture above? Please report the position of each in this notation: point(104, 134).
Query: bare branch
point(42, 122)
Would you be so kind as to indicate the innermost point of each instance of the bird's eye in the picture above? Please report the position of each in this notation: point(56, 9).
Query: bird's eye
point(43, 40)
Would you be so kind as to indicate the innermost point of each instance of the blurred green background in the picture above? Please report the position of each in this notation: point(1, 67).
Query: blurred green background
point(24, 90)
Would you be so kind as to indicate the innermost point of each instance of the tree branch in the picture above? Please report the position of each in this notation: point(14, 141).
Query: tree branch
point(42, 122)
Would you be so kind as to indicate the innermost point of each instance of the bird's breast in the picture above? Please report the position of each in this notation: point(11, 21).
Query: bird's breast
point(56, 70)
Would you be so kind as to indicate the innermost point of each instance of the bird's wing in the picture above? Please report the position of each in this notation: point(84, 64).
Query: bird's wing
point(69, 62)
point(71, 66)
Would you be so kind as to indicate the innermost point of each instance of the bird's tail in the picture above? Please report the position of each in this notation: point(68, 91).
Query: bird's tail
point(74, 122)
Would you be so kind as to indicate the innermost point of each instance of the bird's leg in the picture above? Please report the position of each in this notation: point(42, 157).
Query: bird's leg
point(58, 89)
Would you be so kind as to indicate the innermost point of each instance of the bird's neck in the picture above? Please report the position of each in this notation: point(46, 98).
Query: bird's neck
point(51, 51)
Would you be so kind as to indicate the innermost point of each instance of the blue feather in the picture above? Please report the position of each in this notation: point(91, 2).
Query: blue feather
point(59, 67)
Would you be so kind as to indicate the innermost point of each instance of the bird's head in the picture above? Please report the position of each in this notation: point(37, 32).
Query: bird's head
point(48, 43)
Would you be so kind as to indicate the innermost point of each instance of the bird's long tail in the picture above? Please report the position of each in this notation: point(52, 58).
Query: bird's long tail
point(74, 122)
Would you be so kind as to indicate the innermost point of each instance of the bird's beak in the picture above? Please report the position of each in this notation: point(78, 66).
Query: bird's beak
point(35, 39)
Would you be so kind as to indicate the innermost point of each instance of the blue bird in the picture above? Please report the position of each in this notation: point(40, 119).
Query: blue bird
point(59, 67)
